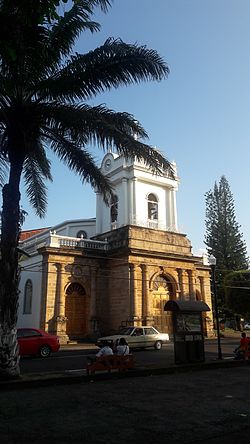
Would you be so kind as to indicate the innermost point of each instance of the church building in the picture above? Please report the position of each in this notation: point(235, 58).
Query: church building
point(87, 278)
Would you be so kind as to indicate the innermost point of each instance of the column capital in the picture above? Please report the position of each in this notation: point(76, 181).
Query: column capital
point(133, 266)
point(144, 267)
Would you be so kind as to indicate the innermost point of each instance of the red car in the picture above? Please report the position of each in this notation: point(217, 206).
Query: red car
point(33, 341)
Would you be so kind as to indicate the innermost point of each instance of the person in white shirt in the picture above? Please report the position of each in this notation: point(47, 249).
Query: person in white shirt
point(122, 348)
point(105, 350)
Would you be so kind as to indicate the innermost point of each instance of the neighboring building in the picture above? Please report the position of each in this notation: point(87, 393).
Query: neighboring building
point(87, 277)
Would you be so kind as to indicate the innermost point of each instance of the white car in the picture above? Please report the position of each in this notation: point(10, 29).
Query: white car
point(138, 337)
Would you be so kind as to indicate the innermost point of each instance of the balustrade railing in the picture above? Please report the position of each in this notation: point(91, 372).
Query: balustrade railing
point(56, 241)
point(154, 224)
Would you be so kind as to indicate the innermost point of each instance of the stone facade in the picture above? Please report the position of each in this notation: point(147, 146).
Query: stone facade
point(88, 293)
point(91, 277)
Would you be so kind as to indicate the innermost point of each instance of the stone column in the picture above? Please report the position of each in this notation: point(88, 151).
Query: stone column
point(191, 283)
point(207, 299)
point(133, 197)
point(124, 218)
point(180, 280)
point(61, 301)
point(44, 295)
point(202, 288)
point(93, 307)
point(61, 320)
point(133, 292)
point(171, 219)
point(99, 216)
point(145, 295)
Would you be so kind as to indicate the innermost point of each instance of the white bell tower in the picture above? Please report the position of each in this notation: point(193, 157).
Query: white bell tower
point(141, 198)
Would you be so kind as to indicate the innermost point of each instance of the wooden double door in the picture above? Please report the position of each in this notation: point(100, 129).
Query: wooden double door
point(76, 311)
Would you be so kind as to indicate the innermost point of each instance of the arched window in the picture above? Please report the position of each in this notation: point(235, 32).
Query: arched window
point(75, 288)
point(82, 234)
point(114, 208)
point(27, 303)
point(152, 207)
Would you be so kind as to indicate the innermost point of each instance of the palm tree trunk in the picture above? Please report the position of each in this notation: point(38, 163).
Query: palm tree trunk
point(9, 350)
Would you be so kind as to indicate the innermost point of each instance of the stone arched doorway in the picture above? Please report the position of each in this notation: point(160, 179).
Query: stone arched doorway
point(76, 310)
point(163, 289)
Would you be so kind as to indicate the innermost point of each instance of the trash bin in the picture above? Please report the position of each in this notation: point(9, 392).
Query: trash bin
point(187, 330)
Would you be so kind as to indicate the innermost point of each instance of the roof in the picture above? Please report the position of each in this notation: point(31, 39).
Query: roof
point(184, 305)
point(29, 233)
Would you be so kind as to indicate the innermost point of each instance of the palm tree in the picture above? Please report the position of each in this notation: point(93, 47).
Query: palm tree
point(43, 105)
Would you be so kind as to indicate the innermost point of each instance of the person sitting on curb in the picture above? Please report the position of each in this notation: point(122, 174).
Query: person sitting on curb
point(240, 351)
point(105, 350)
point(122, 348)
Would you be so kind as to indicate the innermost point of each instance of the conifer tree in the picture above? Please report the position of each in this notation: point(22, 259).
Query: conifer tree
point(223, 237)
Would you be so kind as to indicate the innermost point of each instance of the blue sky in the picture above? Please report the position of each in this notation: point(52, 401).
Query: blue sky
point(198, 117)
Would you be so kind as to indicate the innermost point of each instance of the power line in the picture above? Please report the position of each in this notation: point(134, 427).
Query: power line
point(126, 278)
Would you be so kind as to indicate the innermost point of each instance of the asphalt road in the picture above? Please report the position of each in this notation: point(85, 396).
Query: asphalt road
point(192, 407)
point(74, 357)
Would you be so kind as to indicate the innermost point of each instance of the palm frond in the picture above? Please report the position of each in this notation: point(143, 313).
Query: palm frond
point(54, 42)
point(3, 139)
point(64, 33)
point(4, 168)
point(43, 162)
point(80, 161)
point(104, 5)
point(105, 128)
point(36, 170)
point(22, 40)
point(114, 64)
point(87, 120)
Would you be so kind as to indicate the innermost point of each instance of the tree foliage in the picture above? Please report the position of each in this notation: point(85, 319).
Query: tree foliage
point(223, 237)
point(237, 291)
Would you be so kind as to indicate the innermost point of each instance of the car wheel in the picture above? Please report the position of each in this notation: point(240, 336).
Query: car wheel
point(158, 345)
point(44, 351)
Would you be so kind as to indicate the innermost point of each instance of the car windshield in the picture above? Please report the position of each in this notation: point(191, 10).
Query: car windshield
point(126, 330)
point(150, 331)
point(23, 333)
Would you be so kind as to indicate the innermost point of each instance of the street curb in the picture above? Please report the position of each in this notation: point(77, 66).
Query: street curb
point(35, 380)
